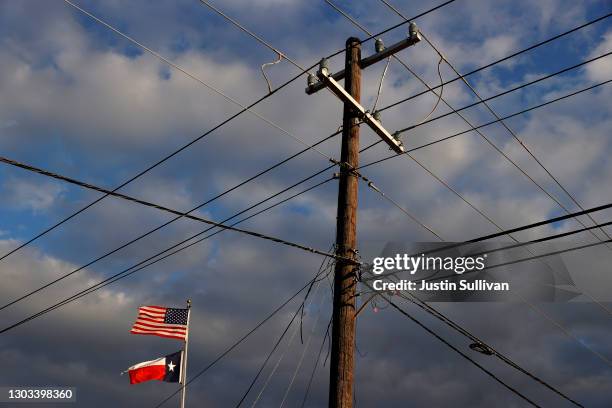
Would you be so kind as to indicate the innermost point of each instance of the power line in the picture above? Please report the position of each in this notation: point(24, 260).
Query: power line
point(267, 44)
point(172, 211)
point(143, 264)
point(252, 34)
point(159, 162)
point(521, 112)
point(295, 332)
point(517, 229)
point(239, 341)
point(113, 192)
point(455, 349)
point(546, 238)
point(482, 135)
point(279, 340)
point(514, 135)
point(531, 258)
point(439, 6)
point(304, 350)
point(538, 310)
point(516, 88)
point(314, 369)
point(519, 244)
point(449, 322)
point(203, 220)
point(199, 80)
point(506, 58)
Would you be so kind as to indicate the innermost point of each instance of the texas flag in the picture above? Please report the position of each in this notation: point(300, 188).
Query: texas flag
point(163, 369)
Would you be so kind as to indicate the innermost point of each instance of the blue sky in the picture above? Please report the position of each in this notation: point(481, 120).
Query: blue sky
point(83, 102)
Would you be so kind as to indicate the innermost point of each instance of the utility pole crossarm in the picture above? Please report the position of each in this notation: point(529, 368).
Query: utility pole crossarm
point(340, 92)
point(413, 37)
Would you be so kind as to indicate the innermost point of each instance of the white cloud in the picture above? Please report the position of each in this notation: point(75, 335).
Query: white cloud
point(32, 195)
point(600, 70)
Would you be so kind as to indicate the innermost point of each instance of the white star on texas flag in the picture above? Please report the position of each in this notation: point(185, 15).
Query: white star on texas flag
point(171, 366)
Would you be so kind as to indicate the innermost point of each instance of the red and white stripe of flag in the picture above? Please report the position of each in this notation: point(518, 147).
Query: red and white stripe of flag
point(150, 321)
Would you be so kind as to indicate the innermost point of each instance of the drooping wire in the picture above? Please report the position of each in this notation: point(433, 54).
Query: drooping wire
point(521, 112)
point(314, 369)
point(356, 23)
point(506, 58)
point(279, 59)
point(503, 123)
point(278, 341)
point(431, 112)
point(298, 328)
point(380, 84)
point(473, 128)
point(301, 360)
point(229, 119)
point(516, 88)
point(239, 341)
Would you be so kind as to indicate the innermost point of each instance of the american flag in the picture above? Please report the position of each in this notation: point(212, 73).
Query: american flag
point(161, 321)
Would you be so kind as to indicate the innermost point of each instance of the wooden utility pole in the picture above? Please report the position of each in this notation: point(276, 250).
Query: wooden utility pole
point(345, 274)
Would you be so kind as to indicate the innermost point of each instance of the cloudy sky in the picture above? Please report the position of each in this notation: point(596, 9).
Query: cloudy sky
point(79, 100)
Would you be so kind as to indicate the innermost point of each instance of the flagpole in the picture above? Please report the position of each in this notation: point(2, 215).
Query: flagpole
point(184, 359)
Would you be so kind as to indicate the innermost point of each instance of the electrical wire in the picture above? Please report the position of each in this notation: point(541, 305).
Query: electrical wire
point(455, 349)
point(252, 34)
point(104, 191)
point(516, 88)
point(293, 336)
point(267, 64)
point(207, 85)
point(512, 230)
point(280, 339)
point(267, 44)
point(143, 264)
point(482, 135)
point(543, 239)
point(457, 327)
point(159, 162)
point(372, 36)
point(506, 58)
point(531, 305)
point(380, 84)
point(239, 341)
point(301, 360)
point(496, 116)
point(521, 112)
point(314, 369)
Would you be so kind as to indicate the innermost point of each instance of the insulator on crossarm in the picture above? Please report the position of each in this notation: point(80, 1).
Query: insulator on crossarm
point(311, 80)
point(324, 65)
point(413, 30)
point(376, 116)
point(379, 46)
